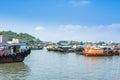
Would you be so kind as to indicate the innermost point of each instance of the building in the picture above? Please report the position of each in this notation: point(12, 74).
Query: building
point(3, 39)
point(14, 40)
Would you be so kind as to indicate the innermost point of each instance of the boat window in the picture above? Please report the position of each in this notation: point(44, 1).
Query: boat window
point(1, 48)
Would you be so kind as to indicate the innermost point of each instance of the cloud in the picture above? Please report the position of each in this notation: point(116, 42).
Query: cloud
point(74, 3)
point(39, 28)
point(114, 26)
point(70, 27)
point(80, 32)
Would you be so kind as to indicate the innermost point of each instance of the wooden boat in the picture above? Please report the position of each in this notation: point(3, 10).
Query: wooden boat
point(51, 49)
point(97, 52)
point(79, 50)
point(37, 47)
point(13, 53)
point(116, 51)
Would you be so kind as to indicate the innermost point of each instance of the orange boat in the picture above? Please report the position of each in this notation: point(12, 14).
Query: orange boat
point(96, 52)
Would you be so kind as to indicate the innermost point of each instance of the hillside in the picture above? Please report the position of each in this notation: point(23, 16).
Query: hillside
point(23, 36)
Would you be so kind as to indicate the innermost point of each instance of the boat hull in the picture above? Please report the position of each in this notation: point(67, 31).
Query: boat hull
point(97, 52)
point(36, 48)
point(11, 59)
point(91, 54)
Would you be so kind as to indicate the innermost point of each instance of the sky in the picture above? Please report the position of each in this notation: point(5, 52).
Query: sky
point(54, 20)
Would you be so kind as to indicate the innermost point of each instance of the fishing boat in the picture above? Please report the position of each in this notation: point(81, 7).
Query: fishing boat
point(13, 52)
point(98, 52)
point(52, 49)
point(116, 50)
point(79, 50)
point(37, 47)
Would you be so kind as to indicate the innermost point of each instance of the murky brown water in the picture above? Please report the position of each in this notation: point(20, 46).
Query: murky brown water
point(44, 65)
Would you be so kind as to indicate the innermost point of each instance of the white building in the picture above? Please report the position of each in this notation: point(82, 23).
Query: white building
point(18, 41)
point(3, 39)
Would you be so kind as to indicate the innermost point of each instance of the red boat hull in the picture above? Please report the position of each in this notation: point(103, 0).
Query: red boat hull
point(11, 59)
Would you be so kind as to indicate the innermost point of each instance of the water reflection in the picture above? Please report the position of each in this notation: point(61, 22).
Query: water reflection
point(60, 53)
point(14, 71)
point(93, 59)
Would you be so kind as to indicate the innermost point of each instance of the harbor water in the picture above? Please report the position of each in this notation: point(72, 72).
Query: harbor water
point(45, 65)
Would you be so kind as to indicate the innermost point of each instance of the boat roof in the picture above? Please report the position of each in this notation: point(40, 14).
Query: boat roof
point(20, 44)
point(5, 44)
